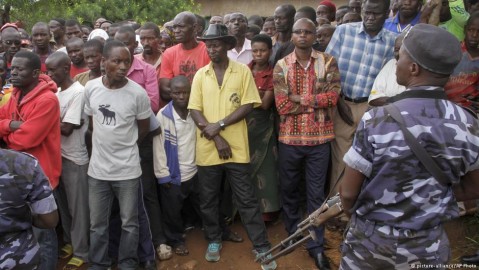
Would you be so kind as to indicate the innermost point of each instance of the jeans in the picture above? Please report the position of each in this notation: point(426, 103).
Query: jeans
point(100, 201)
point(146, 250)
point(47, 239)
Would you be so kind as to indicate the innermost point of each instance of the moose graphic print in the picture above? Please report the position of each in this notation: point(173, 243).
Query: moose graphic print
point(108, 116)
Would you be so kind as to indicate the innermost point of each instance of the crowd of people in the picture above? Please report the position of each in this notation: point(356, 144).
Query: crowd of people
point(133, 134)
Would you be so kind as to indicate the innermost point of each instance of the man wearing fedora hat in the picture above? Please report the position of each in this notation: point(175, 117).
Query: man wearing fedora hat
point(397, 203)
point(222, 94)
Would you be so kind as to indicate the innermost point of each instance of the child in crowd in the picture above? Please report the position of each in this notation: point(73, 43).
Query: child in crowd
point(175, 163)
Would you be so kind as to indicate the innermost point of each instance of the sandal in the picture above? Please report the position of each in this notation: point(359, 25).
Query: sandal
point(74, 264)
point(65, 252)
point(181, 250)
point(164, 252)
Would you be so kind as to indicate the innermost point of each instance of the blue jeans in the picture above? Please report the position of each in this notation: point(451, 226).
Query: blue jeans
point(47, 239)
point(146, 250)
point(101, 194)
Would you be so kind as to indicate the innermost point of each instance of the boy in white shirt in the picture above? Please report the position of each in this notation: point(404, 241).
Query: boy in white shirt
point(174, 161)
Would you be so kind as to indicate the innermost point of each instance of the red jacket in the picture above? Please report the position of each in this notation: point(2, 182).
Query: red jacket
point(39, 135)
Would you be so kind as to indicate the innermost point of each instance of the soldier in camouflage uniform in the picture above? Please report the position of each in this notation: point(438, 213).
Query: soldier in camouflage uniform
point(25, 198)
point(397, 208)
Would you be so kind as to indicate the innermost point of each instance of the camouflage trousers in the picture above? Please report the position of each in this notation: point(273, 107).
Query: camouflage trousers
point(369, 245)
point(19, 251)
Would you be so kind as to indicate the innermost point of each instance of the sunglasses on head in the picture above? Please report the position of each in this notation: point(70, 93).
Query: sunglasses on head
point(12, 42)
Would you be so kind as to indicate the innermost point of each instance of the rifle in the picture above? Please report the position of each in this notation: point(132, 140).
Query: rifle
point(331, 208)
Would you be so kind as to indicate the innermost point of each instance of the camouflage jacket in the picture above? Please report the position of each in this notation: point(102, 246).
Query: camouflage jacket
point(398, 190)
point(24, 189)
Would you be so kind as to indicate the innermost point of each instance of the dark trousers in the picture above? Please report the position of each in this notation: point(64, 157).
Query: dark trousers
point(150, 195)
point(172, 201)
point(291, 160)
point(244, 197)
point(146, 250)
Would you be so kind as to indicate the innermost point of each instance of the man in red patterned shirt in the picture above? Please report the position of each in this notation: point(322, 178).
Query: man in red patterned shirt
point(306, 90)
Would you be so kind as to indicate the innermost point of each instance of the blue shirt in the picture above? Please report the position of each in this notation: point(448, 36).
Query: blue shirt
point(398, 190)
point(393, 24)
point(360, 57)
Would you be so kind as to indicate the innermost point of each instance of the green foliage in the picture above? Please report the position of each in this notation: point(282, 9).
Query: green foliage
point(87, 11)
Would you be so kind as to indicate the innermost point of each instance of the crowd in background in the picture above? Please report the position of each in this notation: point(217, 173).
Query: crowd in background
point(136, 133)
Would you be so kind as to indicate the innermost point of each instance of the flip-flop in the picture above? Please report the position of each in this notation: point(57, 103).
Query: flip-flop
point(181, 250)
point(66, 251)
point(74, 264)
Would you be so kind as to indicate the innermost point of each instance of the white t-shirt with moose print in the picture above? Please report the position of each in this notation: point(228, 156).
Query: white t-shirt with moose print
point(114, 114)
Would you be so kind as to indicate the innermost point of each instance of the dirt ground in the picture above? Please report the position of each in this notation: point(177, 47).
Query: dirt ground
point(463, 235)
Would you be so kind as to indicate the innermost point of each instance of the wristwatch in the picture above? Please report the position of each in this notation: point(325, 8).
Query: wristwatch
point(222, 124)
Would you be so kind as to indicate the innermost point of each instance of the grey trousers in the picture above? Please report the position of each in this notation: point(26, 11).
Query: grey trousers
point(72, 197)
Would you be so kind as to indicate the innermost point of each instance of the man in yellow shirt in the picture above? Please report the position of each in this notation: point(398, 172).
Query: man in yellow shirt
point(222, 94)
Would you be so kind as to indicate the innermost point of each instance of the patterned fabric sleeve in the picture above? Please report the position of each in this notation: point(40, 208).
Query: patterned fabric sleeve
point(329, 86)
point(281, 91)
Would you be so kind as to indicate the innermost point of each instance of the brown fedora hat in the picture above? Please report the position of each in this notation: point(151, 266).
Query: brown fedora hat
point(219, 32)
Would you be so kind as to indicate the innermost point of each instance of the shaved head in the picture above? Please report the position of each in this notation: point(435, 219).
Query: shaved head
point(41, 24)
point(185, 27)
point(58, 67)
point(11, 40)
point(186, 17)
point(178, 80)
point(58, 58)
point(74, 41)
point(304, 21)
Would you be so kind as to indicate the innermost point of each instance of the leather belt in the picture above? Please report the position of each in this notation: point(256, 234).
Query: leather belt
point(356, 100)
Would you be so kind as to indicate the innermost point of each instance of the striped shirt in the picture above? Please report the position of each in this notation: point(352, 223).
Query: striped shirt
point(360, 57)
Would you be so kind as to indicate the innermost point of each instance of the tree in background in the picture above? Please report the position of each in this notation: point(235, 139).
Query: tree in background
point(87, 11)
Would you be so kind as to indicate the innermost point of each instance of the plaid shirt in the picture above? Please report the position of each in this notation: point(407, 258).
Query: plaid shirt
point(360, 57)
point(318, 84)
